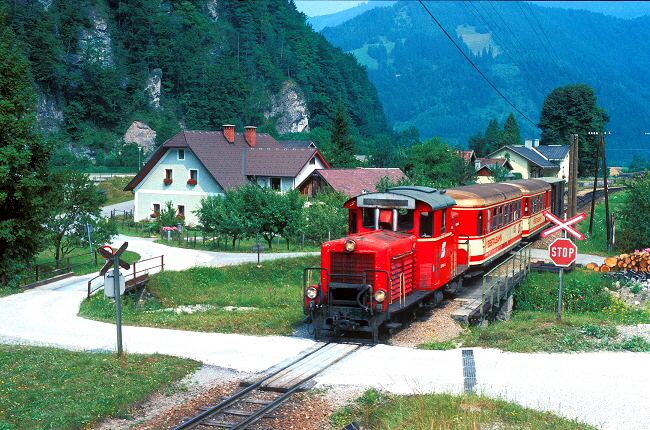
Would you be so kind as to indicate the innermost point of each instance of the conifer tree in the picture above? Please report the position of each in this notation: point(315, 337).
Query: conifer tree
point(511, 133)
point(342, 153)
point(24, 157)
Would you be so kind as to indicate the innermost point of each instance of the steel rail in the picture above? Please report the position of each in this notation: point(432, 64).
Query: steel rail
point(195, 421)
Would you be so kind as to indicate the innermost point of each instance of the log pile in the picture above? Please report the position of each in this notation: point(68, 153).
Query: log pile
point(636, 262)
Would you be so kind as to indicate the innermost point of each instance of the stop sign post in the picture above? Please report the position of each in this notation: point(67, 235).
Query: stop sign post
point(562, 252)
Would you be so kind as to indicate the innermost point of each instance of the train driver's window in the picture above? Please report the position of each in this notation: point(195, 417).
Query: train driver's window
point(352, 222)
point(405, 219)
point(443, 223)
point(479, 224)
point(426, 224)
point(368, 220)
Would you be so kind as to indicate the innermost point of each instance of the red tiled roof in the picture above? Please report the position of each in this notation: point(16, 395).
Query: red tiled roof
point(357, 181)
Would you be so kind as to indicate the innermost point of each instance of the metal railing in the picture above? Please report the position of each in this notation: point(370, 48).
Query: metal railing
point(43, 272)
point(138, 269)
point(501, 279)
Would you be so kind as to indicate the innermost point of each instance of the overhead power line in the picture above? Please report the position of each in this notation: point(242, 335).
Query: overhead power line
point(535, 82)
point(474, 66)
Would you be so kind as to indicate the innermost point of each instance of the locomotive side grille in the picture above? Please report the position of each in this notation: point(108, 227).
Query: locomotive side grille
point(348, 267)
point(402, 272)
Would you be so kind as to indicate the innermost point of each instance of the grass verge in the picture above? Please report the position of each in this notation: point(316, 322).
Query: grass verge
point(114, 189)
point(44, 388)
point(590, 316)
point(267, 299)
point(375, 409)
point(596, 242)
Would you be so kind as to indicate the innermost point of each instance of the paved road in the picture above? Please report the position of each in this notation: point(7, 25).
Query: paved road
point(604, 389)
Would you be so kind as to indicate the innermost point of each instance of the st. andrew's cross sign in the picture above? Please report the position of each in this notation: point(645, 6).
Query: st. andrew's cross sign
point(563, 225)
point(109, 256)
point(116, 262)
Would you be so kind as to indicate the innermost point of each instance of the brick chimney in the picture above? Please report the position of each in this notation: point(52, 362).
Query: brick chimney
point(251, 135)
point(229, 132)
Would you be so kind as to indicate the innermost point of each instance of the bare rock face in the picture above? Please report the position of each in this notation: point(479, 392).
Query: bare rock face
point(152, 88)
point(290, 107)
point(95, 43)
point(142, 134)
point(212, 10)
point(49, 115)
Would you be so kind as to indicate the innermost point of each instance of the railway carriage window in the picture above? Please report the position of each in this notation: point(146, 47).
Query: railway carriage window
point(494, 218)
point(488, 226)
point(426, 224)
point(526, 205)
point(368, 219)
point(479, 229)
point(506, 213)
point(405, 219)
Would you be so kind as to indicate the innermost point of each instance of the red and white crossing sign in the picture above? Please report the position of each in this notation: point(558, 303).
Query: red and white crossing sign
point(562, 252)
point(563, 225)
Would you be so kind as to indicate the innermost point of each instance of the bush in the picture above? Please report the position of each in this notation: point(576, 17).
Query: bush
point(582, 292)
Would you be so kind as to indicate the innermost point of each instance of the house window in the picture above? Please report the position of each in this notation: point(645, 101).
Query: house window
point(169, 173)
point(181, 154)
point(181, 210)
point(276, 183)
point(156, 208)
point(312, 161)
point(194, 177)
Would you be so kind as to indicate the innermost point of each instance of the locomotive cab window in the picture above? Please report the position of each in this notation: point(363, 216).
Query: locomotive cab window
point(352, 222)
point(426, 224)
point(368, 219)
point(404, 219)
point(443, 223)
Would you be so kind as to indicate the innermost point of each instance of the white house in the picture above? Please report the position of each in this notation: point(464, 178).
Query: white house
point(195, 164)
point(534, 161)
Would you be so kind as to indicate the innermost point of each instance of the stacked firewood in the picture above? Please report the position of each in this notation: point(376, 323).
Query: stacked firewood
point(638, 261)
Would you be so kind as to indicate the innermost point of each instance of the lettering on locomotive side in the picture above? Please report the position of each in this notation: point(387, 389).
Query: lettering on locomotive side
point(538, 220)
point(493, 241)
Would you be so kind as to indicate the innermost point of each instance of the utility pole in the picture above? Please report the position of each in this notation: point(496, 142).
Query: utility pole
point(572, 198)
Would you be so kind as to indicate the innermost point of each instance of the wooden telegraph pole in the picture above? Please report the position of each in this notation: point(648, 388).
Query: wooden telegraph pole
point(608, 221)
point(572, 198)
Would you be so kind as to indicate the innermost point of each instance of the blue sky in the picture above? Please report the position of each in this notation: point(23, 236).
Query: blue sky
point(318, 7)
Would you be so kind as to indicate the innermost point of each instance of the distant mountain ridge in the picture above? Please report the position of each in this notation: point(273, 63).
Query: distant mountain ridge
point(524, 50)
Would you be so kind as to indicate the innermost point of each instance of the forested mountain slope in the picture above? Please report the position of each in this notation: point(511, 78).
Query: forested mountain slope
point(524, 50)
point(197, 64)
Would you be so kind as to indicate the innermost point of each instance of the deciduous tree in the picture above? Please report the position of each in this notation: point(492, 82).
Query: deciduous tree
point(573, 109)
point(24, 157)
point(73, 203)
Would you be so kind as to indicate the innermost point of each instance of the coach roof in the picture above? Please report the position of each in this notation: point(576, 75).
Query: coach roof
point(484, 194)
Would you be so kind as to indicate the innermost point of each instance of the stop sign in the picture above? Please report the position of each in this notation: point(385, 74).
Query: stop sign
point(562, 252)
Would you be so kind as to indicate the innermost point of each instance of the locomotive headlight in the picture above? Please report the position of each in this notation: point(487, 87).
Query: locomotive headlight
point(350, 245)
point(312, 292)
point(380, 296)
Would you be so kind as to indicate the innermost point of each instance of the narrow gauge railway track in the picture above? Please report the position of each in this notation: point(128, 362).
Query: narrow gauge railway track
point(285, 378)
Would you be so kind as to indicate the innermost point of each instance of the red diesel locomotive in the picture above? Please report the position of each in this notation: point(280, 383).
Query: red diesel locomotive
point(408, 245)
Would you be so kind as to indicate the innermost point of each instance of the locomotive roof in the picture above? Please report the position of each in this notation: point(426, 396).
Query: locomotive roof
point(430, 196)
point(484, 194)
